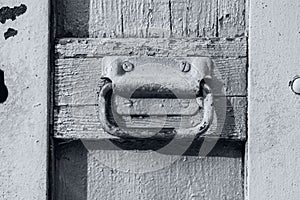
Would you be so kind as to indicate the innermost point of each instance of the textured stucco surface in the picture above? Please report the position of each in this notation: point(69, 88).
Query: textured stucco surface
point(273, 147)
point(23, 116)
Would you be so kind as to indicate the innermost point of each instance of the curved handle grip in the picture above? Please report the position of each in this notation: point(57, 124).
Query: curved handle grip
point(191, 132)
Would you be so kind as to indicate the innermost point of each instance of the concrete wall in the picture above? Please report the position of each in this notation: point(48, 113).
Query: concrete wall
point(273, 142)
point(23, 116)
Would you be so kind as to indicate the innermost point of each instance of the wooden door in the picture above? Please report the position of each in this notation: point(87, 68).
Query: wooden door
point(89, 163)
point(88, 169)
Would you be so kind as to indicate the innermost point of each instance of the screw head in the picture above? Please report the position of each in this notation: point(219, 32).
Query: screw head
point(295, 85)
point(127, 66)
point(185, 66)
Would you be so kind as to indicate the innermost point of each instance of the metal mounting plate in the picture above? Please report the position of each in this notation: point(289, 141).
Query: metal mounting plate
point(153, 76)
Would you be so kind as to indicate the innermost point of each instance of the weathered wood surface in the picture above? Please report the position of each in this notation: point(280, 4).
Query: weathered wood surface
point(274, 110)
point(214, 47)
point(186, 178)
point(231, 18)
point(24, 59)
point(77, 80)
point(129, 18)
point(151, 18)
point(78, 72)
point(83, 121)
point(83, 173)
point(72, 18)
point(193, 18)
point(76, 87)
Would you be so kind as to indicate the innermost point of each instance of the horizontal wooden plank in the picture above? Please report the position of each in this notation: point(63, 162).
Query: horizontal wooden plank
point(83, 122)
point(77, 80)
point(217, 47)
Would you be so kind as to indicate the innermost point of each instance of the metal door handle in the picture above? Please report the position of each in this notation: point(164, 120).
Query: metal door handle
point(205, 101)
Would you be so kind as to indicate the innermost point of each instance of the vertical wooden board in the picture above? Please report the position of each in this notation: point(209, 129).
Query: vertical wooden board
point(273, 141)
point(231, 18)
point(23, 115)
point(147, 175)
point(103, 171)
point(72, 18)
point(194, 18)
point(136, 17)
point(70, 171)
point(146, 18)
point(106, 19)
point(129, 18)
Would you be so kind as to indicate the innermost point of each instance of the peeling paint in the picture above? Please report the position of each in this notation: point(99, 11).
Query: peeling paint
point(10, 33)
point(7, 13)
point(3, 88)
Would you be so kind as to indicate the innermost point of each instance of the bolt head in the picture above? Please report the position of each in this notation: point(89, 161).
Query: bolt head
point(185, 66)
point(127, 66)
point(295, 85)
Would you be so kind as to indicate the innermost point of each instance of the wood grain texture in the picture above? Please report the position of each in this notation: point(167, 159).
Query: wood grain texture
point(194, 18)
point(150, 18)
point(83, 121)
point(72, 18)
point(106, 18)
point(216, 47)
point(129, 18)
point(273, 144)
point(184, 178)
point(88, 173)
point(231, 18)
point(77, 80)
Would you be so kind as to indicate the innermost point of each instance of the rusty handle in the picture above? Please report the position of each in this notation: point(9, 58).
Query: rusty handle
point(192, 132)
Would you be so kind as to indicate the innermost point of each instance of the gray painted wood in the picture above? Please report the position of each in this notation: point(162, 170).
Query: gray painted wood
point(231, 18)
point(89, 173)
point(151, 18)
point(83, 121)
point(194, 18)
point(23, 116)
point(186, 178)
point(72, 18)
point(273, 145)
point(77, 80)
point(214, 47)
point(213, 177)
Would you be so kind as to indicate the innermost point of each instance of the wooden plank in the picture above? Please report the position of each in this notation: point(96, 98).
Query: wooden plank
point(72, 18)
point(100, 173)
point(77, 81)
point(129, 18)
point(273, 144)
point(231, 18)
point(181, 178)
point(24, 113)
point(83, 121)
point(217, 47)
point(194, 18)
point(105, 18)
point(150, 18)
point(147, 18)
